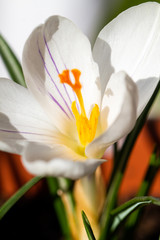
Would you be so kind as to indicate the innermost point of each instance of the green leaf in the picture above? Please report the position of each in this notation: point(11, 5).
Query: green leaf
point(131, 138)
point(128, 145)
point(153, 168)
point(11, 201)
point(11, 62)
point(119, 169)
point(87, 226)
point(123, 211)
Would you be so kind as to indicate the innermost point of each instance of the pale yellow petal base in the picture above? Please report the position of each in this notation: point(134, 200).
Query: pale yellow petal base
point(89, 194)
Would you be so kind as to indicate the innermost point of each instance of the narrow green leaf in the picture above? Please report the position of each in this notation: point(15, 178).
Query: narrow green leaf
point(11, 62)
point(87, 226)
point(11, 201)
point(127, 208)
point(128, 145)
point(153, 167)
point(62, 218)
point(131, 138)
point(119, 169)
point(115, 146)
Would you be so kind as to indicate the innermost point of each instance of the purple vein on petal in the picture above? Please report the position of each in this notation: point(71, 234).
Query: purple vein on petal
point(67, 93)
point(58, 104)
point(55, 66)
point(50, 54)
point(44, 63)
point(15, 131)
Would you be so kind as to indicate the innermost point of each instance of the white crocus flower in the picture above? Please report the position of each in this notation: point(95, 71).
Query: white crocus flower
point(77, 104)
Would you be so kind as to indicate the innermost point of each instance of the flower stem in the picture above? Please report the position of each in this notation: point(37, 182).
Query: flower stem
point(56, 188)
point(109, 205)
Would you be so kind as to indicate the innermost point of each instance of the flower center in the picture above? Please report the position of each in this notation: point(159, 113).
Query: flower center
point(86, 127)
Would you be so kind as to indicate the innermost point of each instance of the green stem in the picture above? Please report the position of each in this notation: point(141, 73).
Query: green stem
point(56, 187)
point(66, 186)
point(109, 205)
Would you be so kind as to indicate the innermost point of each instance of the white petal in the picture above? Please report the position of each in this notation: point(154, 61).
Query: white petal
point(57, 161)
point(119, 88)
point(51, 48)
point(21, 118)
point(131, 43)
point(145, 90)
point(119, 113)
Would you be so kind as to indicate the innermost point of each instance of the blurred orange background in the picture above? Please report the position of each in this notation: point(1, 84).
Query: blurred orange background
point(13, 175)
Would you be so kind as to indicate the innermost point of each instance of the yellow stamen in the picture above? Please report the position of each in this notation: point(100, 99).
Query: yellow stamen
point(86, 127)
point(65, 78)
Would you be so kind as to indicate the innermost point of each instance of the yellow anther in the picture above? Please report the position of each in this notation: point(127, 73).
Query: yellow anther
point(86, 127)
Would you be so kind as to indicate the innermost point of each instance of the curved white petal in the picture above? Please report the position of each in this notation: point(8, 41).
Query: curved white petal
point(119, 88)
point(131, 43)
point(57, 161)
point(145, 90)
point(119, 113)
point(52, 48)
point(21, 118)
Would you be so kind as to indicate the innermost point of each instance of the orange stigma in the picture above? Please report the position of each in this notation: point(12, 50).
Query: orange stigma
point(86, 127)
point(65, 78)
